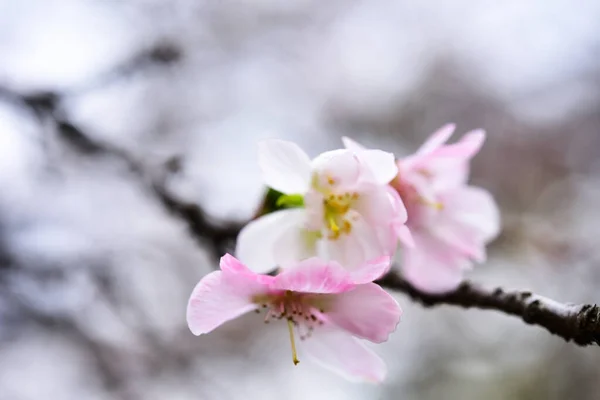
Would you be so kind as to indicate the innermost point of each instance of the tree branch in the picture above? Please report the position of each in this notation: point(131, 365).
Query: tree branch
point(579, 323)
point(219, 237)
point(572, 322)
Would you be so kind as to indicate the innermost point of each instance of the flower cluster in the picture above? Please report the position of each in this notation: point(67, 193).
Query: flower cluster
point(345, 214)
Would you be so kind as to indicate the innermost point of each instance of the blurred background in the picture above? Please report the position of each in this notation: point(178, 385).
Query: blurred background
point(128, 135)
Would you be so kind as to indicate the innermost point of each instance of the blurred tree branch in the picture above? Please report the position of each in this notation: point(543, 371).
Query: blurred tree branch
point(46, 106)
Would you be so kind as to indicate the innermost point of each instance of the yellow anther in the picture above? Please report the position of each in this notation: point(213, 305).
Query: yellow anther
point(347, 226)
point(333, 225)
point(336, 209)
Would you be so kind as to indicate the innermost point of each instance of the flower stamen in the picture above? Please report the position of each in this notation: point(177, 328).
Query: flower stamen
point(336, 209)
point(290, 323)
point(333, 226)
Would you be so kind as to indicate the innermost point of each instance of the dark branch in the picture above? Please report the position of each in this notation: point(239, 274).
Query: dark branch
point(46, 106)
point(221, 237)
point(579, 323)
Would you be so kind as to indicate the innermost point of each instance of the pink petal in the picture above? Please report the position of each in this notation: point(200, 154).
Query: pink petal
point(415, 180)
point(465, 242)
point(473, 207)
point(371, 270)
point(449, 173)
point(437, 139)
point(337, 169)
point(448, 165)
point(366, 311)
point(465, 148)
point(404, 235)
point(432, 265)
point(314, 276)
point(256, 241)
point(345, 355)
point(463, 237)
point(232, 266)
point(285, 167)
point(220, 297)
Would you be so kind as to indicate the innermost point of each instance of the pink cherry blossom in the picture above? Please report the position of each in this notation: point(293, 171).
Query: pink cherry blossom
point(330, 309)
point(348, 214)
point(450, 222)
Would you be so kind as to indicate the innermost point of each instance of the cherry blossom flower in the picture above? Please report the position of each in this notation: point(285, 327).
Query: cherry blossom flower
point(347, 212)
point(329, 308)
point(450, 222)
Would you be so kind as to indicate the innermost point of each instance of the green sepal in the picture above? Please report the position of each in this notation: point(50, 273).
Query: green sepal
point(290, 201)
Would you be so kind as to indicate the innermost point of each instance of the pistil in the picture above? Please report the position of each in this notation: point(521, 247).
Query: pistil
point(290, 323)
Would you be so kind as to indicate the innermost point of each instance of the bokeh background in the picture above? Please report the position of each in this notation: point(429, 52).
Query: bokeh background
point(128, 132)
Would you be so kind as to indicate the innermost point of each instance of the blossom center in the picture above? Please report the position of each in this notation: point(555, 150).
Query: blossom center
point(336, 208)
point(303, 312)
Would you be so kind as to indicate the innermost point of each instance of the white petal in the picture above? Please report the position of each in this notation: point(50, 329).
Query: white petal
point(343, 354)
point(256, 241)
point(315, 212)
point(381, 164)
point(377, 207)
point(285, 167)
point(357, 247)
point(337, 170)
point(345, 250)
point(295, 243)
